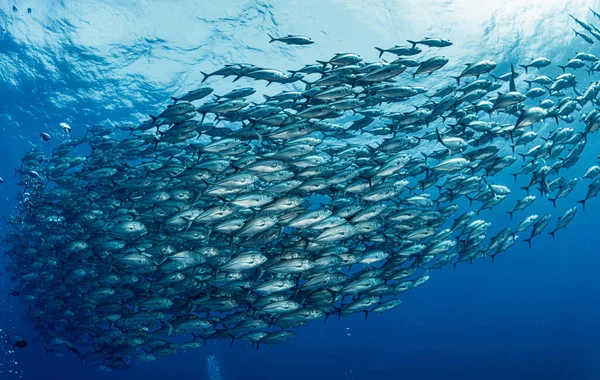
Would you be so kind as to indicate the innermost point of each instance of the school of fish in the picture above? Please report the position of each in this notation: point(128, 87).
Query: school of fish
point(235, 220)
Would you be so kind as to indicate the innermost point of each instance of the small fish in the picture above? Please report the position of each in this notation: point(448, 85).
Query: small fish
point(293, 40)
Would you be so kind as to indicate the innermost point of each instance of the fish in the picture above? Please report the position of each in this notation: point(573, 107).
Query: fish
point(537, 63)
point(564, 220)
point(476, 69)
point(432, 42)
point(253, 213)
point(293, 40)
point(400, 50)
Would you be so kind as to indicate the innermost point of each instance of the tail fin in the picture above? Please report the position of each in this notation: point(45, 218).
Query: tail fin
point(511, 214)
point(439, 136)
point(552, 233)
point(272, 38)
point(553, 200)
point(528, 242)
point(205, 76)
point(528, 82)
point(324, 63)
point(562, 67)
point(457, 79)
point(380, 50)
point(174, 99)
point(414, 43)
point(512, 86)
point(582, 203)
point(526, 67)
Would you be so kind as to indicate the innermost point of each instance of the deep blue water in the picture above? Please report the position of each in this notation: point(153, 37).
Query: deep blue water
point(531, 314)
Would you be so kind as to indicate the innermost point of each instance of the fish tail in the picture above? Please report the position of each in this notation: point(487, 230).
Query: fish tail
point(323, 63)
point(470, 200)
point(414, 43)
point(380, 50)
point(541, 191)
point(273, 39)
point(511, 214)
point(205, 76)
point(457, 79)
point(528, 241)
point(562, 67)
point(582, 203)
point(525, 67)
point(552, 233)
point(439, 137)
point(553, 200)
point(174, 99)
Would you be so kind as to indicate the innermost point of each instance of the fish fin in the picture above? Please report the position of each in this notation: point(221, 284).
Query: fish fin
point(470, 200)
point(324, 63)
point(381, 51)
point(205, 76)
point(273, 39)
point(414, 43)
point(525, 67)
point(512, 86)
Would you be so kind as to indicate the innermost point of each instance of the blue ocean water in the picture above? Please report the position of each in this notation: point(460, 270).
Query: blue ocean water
point(530, 314)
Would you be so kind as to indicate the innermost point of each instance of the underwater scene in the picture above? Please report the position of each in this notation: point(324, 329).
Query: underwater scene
point(334, 189)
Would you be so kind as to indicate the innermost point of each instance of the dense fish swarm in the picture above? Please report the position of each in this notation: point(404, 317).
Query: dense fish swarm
point(242, 221)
